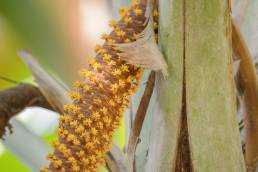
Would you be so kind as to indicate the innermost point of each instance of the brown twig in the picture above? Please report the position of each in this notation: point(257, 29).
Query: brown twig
point(14, 100)
point(138, 121)
point(248, 82)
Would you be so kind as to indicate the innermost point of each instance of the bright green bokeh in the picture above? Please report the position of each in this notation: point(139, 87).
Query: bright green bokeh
point(9, 163)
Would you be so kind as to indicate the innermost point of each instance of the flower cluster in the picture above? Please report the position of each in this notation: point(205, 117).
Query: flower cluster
point(100, 98)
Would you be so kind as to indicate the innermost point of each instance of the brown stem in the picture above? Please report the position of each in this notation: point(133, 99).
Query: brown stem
point(138, 121)
point(248, 82)
point(14, 100)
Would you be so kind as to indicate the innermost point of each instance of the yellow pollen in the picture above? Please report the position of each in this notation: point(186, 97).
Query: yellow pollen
point(111, 41)
point(107, 57)
point(155, 13)
point(116, 72)
point(96, 66)
point(104, 36)
point(96, 116)
point(113, 23)
point(75, 96)
point(94, 131)
point(127, 40)
point(91, 61)
point(77, 84)
point(128, 20)
point(87, 122)
point(114, 87)
point(111, 63)
point(137, 11)
point(120, 33)
point(111, 102)
point(124, 68)
point(97, 48)
point(86, 88)
point(123, 12)
point(89, 145)
point(121, 83)
point(104, 110)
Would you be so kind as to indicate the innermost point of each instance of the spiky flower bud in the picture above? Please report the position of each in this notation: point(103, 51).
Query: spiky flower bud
point(100, 99)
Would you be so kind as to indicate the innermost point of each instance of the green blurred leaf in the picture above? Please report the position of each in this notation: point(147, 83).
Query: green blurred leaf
point(9, 163)
point(41, 31)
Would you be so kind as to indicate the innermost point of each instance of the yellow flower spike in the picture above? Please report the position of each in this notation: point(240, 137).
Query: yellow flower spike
point(102, 51)
point(72, 160)
point(104, 110)
point(96, 66)
point(95, 141)
point(89, 145)
point(97, 48)
point(51, 157)
point(111, 103)
point(104, 36)
point(86, 130)
point(127, 40)
point(87, 88)
point(97, 101)
point(77, 84)
point(107, 120)
point(76, 142)
point(114, 87)
point(121, 83)
point(80, 116)
point(118, 99)
point(124, 68)
point(135, 2)
point(57, 163)
point(155, 25)
point(100, 85)
point(123, 12)
point(93, 159)
point(111, 41)
point(128, 20)
point(111, 63)
point(94, 131)
point(81, 153)
point(113, 24)
point(75, 168)
point(136, 36)
point(87, 122)
point(85, 161)
point(44, 169)
point(91, 61)
point(86, 136)
point(75, 96)
point(100, 125)
point(70, 138)
point(96, 116)
point(80, 129)
point(106, 137)
point(107, 57)
point(91, 107)
point(137, 11)
point(120, 33)
point(74, 123)
point(116, 72)
point(129, 79)
point(155, 13)
point(63, 118)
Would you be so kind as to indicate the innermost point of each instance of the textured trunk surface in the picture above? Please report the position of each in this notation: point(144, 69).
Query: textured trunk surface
point(210, 94)
point(195, 37)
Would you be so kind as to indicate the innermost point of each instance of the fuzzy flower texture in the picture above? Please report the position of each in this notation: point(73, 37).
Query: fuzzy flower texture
point(100, 99)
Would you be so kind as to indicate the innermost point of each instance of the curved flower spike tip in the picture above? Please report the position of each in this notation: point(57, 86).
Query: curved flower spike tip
point(100, 97)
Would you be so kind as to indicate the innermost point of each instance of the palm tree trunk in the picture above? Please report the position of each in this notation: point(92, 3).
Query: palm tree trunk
point(195, 116)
